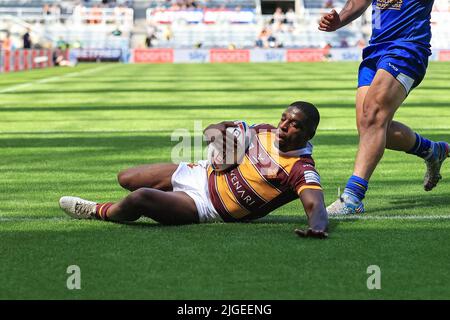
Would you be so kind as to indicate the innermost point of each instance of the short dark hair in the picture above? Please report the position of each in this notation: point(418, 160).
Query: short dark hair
point(311, 113)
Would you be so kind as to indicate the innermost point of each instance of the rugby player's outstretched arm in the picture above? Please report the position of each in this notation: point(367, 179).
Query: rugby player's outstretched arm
point(352, 10)
point(314, 206)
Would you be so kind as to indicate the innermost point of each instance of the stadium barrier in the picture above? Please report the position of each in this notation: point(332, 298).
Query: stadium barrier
point(26, 59)
point(18, 60)
point(444, 55)
point(98, 55)
point(242, 55)
point(255, 55)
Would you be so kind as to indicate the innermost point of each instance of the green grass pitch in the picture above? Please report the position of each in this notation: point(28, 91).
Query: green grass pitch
point(69, 131)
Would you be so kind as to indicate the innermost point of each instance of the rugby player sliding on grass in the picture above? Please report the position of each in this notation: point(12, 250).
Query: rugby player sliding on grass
point(277, 168)
point(393, 64)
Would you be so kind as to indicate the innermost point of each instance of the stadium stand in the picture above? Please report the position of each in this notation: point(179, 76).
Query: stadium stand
point(195, 28)
point(225, 4)
point(76, 24)
point(181, 24)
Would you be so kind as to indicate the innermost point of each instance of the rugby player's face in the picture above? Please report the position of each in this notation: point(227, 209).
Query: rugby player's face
point(291, 131)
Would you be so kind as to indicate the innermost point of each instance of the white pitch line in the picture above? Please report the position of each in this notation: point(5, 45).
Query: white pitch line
point(347, 217)
point(87, 131)
point(52, 79)
point(387, 217)
point(17, 219)
point(110, 131)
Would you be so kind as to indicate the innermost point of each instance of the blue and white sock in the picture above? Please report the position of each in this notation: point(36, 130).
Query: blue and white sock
point(423, 147)
point(356, 187)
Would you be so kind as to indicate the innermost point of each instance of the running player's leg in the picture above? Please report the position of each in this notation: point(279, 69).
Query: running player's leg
point(360, 97)
point(402, 138)
point(156, 176)
point(375, 107)
point(381, 102)
point(373, 118)
point(399, 137)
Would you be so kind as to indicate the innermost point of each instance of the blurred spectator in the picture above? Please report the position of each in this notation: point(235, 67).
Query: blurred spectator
point(191, 4)
point(6, 43)
point(78, 12)
point(168, 34)
point(290, 17)
point(174, 6)
point(344, 43)
point(55, 10)
point(266, 39)
point(328, 4)
point(278, 19)
point(361, 43)
point(61, 44)
point(27, 39)
point(77, 44)
point(60, 60)
point(120, 13)
point(291, 20)
point(95, 15)
point(148, 40)
point(51, 13)
point(327, 54)
point(117, 32)
point(273, 42)
point(177, 5)
point(327, 46)
point(46, 10)
point(262, 38)
point(151, 35)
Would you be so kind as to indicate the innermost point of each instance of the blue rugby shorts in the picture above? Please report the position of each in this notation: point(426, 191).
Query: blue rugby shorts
point(406, 62)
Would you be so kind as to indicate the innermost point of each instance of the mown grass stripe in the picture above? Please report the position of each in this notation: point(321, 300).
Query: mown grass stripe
point(349, 217)
point(55, 78)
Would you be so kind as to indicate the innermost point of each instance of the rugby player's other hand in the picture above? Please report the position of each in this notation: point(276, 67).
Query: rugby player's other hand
point(310, 233)
point(330, 21)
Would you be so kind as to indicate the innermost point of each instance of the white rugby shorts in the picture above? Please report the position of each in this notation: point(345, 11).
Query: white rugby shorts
point(193, 180)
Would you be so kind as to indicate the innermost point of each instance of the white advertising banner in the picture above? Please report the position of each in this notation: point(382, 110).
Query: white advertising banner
point(347, 54)
point(191, 56)
point(268, 55)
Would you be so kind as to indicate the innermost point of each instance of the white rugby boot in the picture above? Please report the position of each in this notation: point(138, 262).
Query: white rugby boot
point(344, 205)
point(78, 208)
point(433, 175)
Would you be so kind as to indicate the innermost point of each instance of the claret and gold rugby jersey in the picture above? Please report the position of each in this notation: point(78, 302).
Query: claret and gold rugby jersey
point(265, 180)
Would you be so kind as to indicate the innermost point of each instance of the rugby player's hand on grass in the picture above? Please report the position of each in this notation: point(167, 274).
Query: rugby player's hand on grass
point(310, 233)
point(330, 22)
point(313, 203)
